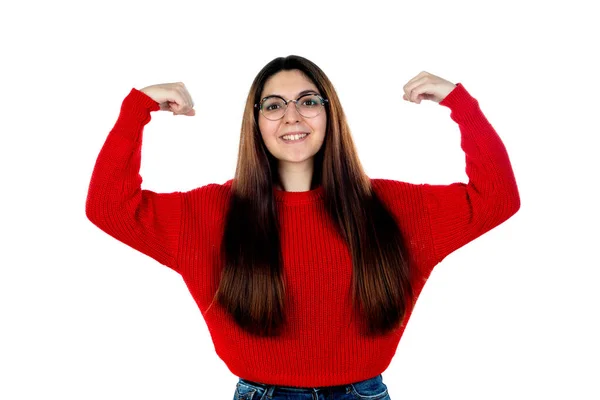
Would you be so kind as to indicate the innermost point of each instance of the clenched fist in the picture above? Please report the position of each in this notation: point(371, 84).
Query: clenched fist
point(172, 97)
point(426, 86)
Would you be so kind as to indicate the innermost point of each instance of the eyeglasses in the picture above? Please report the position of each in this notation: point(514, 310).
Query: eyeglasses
point(308, 105)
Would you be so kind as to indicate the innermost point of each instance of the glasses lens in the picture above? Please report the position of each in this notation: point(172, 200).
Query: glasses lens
point(310, 105)
point(273, 108)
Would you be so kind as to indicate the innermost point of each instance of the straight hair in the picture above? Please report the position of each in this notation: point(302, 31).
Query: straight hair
point(252, 287)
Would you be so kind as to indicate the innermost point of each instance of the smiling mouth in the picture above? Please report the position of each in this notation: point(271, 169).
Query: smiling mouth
point(295, 137)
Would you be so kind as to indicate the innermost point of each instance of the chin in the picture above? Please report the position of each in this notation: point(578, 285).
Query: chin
point(295, 160)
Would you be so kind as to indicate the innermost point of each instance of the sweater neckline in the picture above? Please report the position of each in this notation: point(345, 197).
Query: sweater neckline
point(310, 196)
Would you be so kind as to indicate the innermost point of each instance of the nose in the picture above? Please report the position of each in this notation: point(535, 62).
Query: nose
point(291, 113)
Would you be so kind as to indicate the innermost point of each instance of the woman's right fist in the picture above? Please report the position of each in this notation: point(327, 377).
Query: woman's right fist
point(172, 97)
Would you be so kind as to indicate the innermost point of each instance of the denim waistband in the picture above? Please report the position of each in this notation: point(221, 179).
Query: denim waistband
point(294, 389)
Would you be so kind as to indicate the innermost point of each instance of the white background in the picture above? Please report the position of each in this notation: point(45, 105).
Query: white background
point(513, 315)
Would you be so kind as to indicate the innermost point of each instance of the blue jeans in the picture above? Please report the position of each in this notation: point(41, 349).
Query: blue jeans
point(370, 389)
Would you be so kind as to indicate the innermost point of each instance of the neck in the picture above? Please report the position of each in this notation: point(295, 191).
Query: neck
point(295, 177)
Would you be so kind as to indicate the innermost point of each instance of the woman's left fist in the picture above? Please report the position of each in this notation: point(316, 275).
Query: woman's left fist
point(426, 86)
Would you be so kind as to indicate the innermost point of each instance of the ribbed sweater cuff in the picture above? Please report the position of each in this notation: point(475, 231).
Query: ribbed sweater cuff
point(461, 104)
point(135, 114)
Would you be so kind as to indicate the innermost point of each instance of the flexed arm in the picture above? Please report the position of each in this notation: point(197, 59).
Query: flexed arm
point(461, 212)
point(146, 221)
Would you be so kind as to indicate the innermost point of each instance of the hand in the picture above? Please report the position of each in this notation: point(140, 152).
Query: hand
point(172, 97)
point(426, 86)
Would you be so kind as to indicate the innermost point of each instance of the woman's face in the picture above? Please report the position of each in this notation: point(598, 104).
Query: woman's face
point(290, 85)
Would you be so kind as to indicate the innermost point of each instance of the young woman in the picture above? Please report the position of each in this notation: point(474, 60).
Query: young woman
point(305, 270)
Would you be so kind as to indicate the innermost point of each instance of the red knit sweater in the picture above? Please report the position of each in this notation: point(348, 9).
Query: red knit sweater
point(322, 345)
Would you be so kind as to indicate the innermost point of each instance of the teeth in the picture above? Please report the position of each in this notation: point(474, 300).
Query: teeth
point(294, 137)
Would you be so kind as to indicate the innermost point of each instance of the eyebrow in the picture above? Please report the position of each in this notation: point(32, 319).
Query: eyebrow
point(299, 94)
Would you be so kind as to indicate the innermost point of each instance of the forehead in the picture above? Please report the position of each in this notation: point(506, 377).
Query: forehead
point(287, 84)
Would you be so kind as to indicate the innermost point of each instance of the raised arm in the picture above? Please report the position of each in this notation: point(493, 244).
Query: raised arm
point(146, 221)
point(461, 212)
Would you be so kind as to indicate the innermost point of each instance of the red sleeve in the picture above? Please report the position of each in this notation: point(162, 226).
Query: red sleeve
point(459, 213)
point(146, 221)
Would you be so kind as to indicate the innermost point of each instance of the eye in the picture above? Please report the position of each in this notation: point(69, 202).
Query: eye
point(310, 101)
point(272, 104)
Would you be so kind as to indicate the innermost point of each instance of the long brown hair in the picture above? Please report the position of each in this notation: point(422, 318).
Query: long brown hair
point(251, 288)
